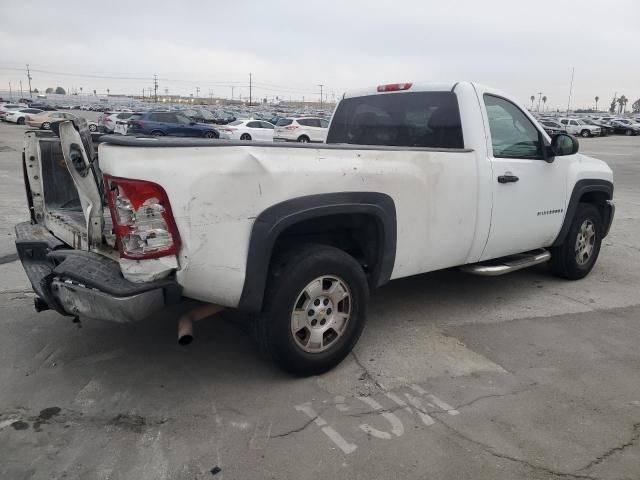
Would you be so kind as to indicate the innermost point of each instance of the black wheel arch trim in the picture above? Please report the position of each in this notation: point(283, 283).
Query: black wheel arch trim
point(582, 187)
point(275, 219)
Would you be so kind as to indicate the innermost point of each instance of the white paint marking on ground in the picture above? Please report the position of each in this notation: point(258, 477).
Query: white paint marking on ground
point(240, 425)
point(399, 401)
point(418, 389)
point(334, 436)
point(443, 405)
point(341, 404)
point(396, 425)
point(261, 435)
point(417, 403)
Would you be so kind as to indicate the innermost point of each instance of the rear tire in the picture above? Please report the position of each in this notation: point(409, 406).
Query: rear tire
point(157, 133)
point(628, 133)
point(577, 255)
point(93, 128)
point(245, 136)
point(45, 126)
point(315, 309)
point(210, 135)
point(303, 139)
point(20, 121)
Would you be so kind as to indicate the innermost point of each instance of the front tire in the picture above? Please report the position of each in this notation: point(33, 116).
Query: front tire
point(315, 309)
point(157, 133)
point(585, 133)
point(628, 133)
point(20, 121)
point(45, 126)
point(303, 139)
point(93, 128)
point(577, 255)
point(210, 134)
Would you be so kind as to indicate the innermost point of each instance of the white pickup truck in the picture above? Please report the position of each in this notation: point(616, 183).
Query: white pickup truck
point(412, 178)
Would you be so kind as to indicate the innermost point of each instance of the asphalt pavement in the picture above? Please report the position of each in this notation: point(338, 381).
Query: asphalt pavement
point(455, 377)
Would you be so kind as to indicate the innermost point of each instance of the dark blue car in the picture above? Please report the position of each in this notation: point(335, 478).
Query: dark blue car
point(168, 123)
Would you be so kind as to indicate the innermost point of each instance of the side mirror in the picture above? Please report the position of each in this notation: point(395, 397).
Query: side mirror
point(563, 144)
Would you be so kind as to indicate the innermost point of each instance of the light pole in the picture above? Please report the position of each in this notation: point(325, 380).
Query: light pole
point(321, 85)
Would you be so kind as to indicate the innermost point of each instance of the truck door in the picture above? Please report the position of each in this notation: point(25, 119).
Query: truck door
point(529, 194)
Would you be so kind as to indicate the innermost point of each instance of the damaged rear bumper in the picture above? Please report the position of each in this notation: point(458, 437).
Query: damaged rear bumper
point(86, 284)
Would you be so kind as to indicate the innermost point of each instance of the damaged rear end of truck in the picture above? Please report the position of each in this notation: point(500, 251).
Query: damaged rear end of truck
point(82, 229)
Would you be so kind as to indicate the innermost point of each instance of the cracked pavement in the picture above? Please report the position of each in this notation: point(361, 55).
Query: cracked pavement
point(455, 377)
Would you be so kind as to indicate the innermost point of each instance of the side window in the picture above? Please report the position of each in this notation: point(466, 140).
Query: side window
point(324, 123)
point(512, 133)
point(573, 122)
point(564, 122)
point(267, 125)
point(155, 117)
point(254, 125)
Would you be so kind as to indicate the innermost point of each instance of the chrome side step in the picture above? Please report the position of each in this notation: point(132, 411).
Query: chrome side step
point(509, 264)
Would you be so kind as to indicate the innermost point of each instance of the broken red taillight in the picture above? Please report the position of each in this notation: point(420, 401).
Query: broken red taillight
point(142, 219)
point(394, 87)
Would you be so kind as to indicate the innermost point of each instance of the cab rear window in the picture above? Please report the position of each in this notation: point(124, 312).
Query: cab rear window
point(411, 119)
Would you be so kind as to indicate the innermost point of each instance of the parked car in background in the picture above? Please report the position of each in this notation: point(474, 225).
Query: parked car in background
point(168, 123)
point(604, 128)
point(576, 126)
point(303, 130)
point(19, 114)
point(552, 127)
point(43, 106)
point(108, 120)
point(199, 115)
point(45, 119)
point(7, 107)
point(625, 127)
point(248, 130)
point(223, 118)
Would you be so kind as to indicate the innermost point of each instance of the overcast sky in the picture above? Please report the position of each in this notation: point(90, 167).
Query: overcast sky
point(292, 46)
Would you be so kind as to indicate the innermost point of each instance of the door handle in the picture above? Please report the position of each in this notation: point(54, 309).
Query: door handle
point(507, 178)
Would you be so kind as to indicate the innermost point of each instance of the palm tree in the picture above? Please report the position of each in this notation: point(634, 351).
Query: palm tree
point(597, 98)
point(532, 99)
point(622, 102)
point(544, 101)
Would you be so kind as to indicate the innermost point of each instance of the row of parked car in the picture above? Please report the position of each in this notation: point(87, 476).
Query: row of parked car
point(593, 126)
point(178, 123)
point(303, 129)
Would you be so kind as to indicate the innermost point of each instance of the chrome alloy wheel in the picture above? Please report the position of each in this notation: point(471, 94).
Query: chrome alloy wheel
point(585, 242)
point(321, 313)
